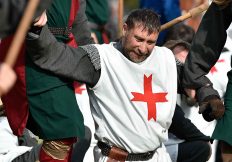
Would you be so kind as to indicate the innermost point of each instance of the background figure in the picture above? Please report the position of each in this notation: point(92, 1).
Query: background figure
point(218, 76)
point(167, 9)
point(192, 137)
point(112, 25)
point(98, 15)
point(206, 48)
point(47, 102)
point(11, 12)
point(180, 31)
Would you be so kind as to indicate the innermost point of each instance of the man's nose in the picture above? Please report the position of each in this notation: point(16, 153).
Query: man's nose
point(143, 48)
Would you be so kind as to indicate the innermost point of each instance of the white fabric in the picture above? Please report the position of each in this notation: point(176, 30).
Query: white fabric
point(228, 43)
point(122, 122)
point(7, 139)
point(83, 103)
point(219, 77)
point(13, 153)
point(9, 148)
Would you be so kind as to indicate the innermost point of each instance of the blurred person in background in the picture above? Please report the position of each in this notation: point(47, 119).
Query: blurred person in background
point(167, 9)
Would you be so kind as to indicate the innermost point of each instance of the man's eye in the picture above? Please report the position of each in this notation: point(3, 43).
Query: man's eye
point(139, 40)
point(150, 43)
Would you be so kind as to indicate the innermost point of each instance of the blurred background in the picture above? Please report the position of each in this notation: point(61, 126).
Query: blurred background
point(167, 9)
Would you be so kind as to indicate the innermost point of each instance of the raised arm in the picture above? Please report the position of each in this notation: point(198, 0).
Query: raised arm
point(63, 60)
point(206, 46)
point(204, 53)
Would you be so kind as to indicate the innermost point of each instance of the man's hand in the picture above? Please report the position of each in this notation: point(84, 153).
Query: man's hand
point(190, 92)
point(7, 78)
point(41, 20)
point(191, 96)
point(212, 108)
point(94, 37)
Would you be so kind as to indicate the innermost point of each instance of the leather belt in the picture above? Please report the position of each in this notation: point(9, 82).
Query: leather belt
point(123, 155)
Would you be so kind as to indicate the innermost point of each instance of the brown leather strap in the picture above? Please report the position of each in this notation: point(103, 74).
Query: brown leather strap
point(118, 154)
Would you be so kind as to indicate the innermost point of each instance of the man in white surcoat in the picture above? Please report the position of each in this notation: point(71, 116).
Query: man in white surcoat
point(132, 86)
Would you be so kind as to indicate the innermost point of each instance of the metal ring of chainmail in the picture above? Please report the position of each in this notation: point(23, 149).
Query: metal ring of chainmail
point(60, 31)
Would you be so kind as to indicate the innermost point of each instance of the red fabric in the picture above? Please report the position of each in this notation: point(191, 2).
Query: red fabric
point(79, 87)
point(44, 157)
point(105, 38)
point(15, 101)
point(149, 97)
point(73, 12)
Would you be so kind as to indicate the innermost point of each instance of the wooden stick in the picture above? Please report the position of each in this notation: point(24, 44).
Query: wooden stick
point(20, 34)
point(192, 13)
point(120, 16)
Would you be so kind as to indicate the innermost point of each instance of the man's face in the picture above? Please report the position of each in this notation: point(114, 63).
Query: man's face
point(180, 53)
point(138, 43)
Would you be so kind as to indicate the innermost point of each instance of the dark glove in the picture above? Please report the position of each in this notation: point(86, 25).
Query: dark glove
point(223, 3)
point(35, 29)
point(212, 108)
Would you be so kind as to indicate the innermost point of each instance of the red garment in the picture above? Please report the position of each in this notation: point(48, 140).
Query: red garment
point(15, 101)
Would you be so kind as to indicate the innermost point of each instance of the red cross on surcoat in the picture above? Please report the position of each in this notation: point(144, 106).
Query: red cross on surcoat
point(79, 88)
point(214, 69)
point(149, 97)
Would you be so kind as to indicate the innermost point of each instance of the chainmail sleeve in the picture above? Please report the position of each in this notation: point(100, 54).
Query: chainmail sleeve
point(93, 55)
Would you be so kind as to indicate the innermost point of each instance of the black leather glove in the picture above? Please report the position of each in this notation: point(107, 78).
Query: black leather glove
point(211, 108)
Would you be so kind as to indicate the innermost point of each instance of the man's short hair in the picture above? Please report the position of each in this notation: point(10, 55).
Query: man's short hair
point(149, 19)
point(171, 44)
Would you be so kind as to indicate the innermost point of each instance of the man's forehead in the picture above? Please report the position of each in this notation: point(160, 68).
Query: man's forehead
point(139, 25)
point(140, 28)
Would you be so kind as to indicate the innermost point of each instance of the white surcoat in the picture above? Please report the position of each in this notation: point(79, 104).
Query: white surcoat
point(133, 104)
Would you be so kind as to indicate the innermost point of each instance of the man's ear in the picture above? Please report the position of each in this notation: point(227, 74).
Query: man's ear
point(124, 29)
